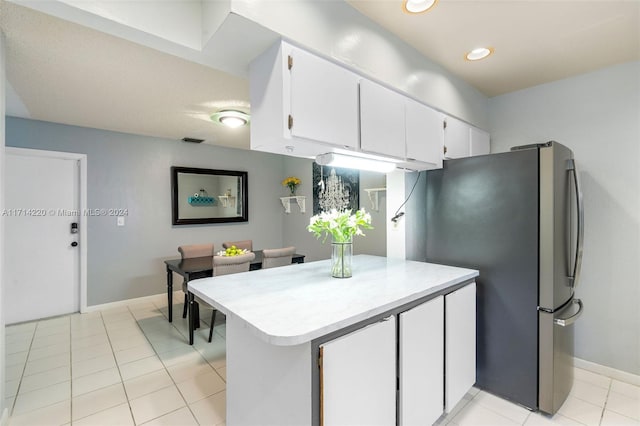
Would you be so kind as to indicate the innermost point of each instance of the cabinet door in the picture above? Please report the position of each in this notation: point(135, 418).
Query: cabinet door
point(479, 142)
point(381, 120)
point(324, 100)
point(456, 138)
point(421, 360)
point(424, 133)
point(460, 344)
point(358, 377)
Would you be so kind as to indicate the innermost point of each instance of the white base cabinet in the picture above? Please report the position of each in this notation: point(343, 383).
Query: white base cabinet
point(436, 363)
point(421, 360)
point(460, 344)
point(358, 377)
point(391, 372)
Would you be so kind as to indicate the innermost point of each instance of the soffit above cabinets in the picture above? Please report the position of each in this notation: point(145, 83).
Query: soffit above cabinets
point(109, 76)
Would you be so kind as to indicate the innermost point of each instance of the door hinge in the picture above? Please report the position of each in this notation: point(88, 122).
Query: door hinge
point(444, 124)
point(290, 122)
point(290, 62)
point(444, 149)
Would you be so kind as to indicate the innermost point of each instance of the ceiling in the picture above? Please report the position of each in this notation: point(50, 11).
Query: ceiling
point(535, 42)
point(67, 73)
point(62, 72)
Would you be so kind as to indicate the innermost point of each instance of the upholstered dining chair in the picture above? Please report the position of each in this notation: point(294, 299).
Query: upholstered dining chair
point(225, 265)
point(187, 252)
point(244, 244)
point(272, 258)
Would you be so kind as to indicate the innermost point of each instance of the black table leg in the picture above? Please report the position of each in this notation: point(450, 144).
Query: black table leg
point(192, 316)
point(170, 293)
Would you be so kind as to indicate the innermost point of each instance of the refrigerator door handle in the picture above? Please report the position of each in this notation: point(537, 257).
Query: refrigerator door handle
point(577, 265)
point(565, 322)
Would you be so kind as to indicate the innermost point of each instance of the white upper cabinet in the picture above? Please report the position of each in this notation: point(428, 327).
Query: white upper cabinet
point(424, 133)
point(456, 138)
point(324, 100)
point(464, 140)
point(479, 142)
point(303, 105)
point(382, 120)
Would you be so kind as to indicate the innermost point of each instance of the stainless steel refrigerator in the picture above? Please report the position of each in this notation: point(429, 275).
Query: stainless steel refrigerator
point(517, 217)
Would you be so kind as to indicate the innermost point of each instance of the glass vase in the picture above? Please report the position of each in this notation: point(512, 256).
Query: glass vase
point(341, 254)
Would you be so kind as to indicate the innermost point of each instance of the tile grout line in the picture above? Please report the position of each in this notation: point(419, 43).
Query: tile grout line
point(165, 367)
point(606, 400)
point(24, 367)
point(113, 353)
point(491, 409)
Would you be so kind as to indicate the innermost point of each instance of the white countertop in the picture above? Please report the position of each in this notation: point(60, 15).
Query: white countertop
point(295, 304)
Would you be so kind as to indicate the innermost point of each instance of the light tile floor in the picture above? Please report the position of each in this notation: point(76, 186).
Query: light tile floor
point(130, 366)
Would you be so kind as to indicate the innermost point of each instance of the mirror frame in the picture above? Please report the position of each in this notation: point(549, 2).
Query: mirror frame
point(176, 220)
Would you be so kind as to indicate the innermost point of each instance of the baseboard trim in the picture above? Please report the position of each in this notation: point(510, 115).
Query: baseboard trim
point(4, 420)
point(177, 295)
point(623, 376)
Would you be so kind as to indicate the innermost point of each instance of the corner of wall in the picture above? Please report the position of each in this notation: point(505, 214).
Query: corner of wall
point(5, 412)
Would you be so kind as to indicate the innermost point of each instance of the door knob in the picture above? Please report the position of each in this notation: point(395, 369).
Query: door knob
point(74, 244)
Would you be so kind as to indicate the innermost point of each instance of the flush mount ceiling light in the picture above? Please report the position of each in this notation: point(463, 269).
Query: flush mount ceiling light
point(417, 6)
point(231, 118)
point(350, 162)
point(479, 53)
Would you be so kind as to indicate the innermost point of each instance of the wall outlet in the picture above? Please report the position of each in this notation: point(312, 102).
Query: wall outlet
point(120, 221)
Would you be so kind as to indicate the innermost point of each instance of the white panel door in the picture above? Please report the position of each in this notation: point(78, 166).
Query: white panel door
point(324, 100)
point(42, 268)
point(479, 142)
point(381, 120)
point(456, 138)
point(359, 377)
point(460, 344)
point(422, 363)
point(424, 133)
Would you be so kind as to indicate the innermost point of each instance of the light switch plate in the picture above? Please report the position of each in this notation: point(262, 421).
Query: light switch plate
point(120, 221)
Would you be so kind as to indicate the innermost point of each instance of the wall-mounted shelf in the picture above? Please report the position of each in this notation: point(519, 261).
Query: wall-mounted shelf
point(300, 200)
point(373, 194)
point(227, 200)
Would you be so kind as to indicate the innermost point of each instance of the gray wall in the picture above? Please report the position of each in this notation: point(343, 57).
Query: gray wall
point(294, 225)
point(132, 172)
point(597, 115)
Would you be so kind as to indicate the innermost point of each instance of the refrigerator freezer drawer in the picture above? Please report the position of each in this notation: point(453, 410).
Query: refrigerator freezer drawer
point(556, 356)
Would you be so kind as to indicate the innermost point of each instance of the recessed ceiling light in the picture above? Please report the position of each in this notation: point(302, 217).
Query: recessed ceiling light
point(417, 6)
point(479, 53)
point(231, 118)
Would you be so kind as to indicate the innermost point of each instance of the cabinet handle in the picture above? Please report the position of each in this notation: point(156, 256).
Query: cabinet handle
point(387, 318)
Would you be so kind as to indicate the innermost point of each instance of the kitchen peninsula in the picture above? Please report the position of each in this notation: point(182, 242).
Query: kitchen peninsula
point(306, 348)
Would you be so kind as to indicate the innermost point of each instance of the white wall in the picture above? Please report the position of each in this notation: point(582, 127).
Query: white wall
point(597, 115)
point(2, 137)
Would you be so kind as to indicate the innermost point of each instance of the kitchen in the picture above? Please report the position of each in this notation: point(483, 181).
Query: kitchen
point(596, 108)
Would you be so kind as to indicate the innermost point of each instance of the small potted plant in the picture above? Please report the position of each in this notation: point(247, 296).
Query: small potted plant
point(292, 183)
point(342, 226)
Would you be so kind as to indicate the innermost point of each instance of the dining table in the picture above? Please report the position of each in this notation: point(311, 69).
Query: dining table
point(202, 267)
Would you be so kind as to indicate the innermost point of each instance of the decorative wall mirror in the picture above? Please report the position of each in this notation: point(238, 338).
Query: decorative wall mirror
point(208, 196)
